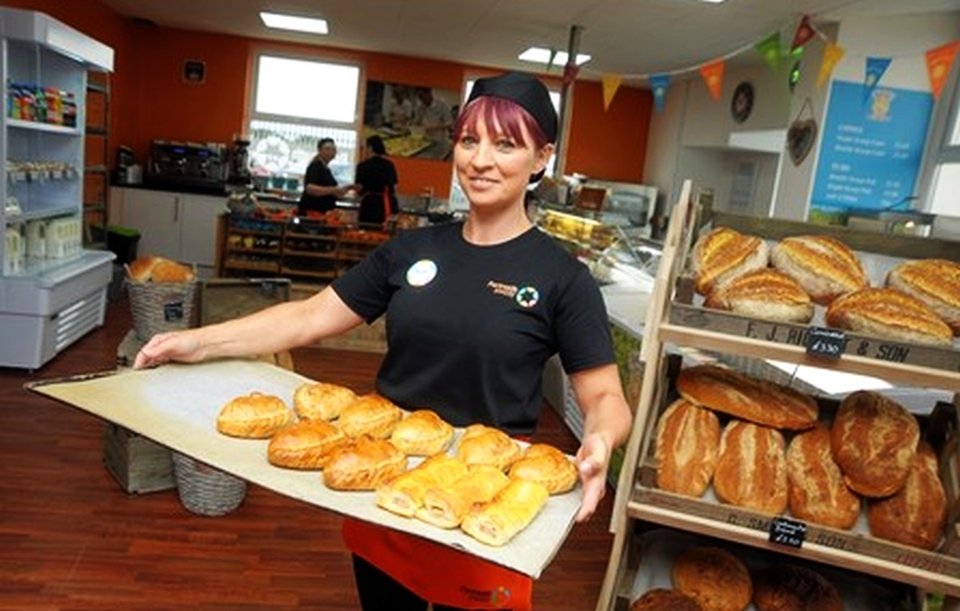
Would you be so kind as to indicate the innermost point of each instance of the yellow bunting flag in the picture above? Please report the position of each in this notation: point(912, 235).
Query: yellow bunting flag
point(832, 53)
point(712, 74)
point(611, 82)
point(939, 62)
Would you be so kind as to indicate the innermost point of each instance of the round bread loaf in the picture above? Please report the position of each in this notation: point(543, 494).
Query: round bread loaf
point(816, 490)
point(723, 254)
point(935, 282)
point(159, 269)
point(752, 468)
point(825, 267)
point(321, 400)
point(890, 314)
point(687, 448)
point(662, 599)
point(789, 587)
point(917, 513)
point(254, 416)
point(713, 577)
point(874, 441)
point(764, 293)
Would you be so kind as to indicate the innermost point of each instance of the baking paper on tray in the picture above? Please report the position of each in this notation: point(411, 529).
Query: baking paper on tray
point(177, 405)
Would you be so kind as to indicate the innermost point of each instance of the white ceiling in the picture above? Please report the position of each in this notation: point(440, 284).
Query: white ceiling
point(632, 38)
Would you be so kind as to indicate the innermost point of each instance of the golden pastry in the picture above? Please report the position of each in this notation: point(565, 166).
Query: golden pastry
point(304, 445)
point(254, 416)
point(422, 433)
point(511, 511)
point(403, 495)
point(321, 401)
point(447, 506)
point(545, 464)
point(363, 464)
point(370, 414)
point(485, 445)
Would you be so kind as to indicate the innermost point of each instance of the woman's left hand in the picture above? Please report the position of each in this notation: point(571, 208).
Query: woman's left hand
point(593, 457)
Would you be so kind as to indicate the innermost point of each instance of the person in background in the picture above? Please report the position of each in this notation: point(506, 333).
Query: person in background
point(401, 109)
point(475, 310)
point(433, 115)
point(320, 188)
point(376, 180)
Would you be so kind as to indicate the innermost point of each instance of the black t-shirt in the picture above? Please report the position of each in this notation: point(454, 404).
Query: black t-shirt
point(318, 174)
point(377, 175)
point(470, 328)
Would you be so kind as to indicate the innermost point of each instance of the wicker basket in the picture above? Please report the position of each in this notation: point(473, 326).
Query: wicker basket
point(158, 307)
point(204, 490)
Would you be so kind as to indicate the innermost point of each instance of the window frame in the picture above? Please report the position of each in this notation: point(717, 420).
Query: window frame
point(939, 150)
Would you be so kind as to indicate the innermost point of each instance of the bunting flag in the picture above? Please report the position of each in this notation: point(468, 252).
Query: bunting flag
point(659, 84)
point(939, 63)
point(769, 50)
point(712, 74)
point(803, 35)
point(610, 82)
point(832, 53)
point(873, 72)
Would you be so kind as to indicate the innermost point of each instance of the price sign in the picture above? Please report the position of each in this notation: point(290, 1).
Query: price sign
point(825, 343)
point(173, 312)
point(785, 531)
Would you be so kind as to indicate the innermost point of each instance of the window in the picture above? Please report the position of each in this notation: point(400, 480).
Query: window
point(297, 101)
point(941, 174)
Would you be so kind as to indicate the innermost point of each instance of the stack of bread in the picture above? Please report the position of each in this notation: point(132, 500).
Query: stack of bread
point(159, 270)
point(488, 485)
point(919, 302)
point(762, 446)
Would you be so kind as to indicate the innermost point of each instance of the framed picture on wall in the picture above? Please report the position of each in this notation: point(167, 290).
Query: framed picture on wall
point(413, 121)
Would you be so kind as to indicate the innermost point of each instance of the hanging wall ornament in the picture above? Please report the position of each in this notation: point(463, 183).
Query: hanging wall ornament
point(802, 134)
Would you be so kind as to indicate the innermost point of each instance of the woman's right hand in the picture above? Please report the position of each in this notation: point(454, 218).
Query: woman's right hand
point(183, 346)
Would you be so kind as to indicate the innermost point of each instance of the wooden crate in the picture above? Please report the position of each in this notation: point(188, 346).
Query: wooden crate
point(226, 299)
point(138, 464)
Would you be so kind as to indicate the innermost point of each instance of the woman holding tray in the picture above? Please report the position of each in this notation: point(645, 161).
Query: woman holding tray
point(474, 311)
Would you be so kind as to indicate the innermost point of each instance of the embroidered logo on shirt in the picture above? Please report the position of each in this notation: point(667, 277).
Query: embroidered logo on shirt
point(421, 273)
point(525, 296)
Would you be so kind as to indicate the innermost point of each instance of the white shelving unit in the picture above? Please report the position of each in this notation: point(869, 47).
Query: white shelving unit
point(52, 291)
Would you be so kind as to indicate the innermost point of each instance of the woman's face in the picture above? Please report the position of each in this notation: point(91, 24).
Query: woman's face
point(494, 169)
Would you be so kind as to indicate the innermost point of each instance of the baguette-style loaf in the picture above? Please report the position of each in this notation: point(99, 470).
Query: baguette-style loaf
point(662, 599)
point(370, 414)
point(713, 577)
point(764, 293)
point(790, 587)
point(759, 401)
point(254, 416)
point(307, 444)
point(825, 267)
point(936, 282)
point(816, 490)
point(917, 514)
point(752, 468)
point(722, 254)
point(321, 400)
point(363, 464)
point(422, 433)
point(890, 314)
point(545, 464)
point(874, 441)
point(512, 510)
point(687, 448)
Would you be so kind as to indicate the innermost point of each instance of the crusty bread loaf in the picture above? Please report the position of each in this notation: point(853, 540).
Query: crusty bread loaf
point(790, 587)
point(141, 268)
point(752, 468)
point(889, 314)
point(874, 441)
point(747, 397)
point(687, 448)
point(825, 267)
point(917, 514)
point(662, 599)
point(159, 269)
point(764, 293)
point(816, 490)
point(936, 282)
point(723, 254)
point(713, 577)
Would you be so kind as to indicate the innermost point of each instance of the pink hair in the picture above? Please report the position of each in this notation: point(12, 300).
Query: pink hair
point(499, 114)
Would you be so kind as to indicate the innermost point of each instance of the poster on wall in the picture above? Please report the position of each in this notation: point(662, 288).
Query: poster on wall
point(412, 121)
point(871, 148)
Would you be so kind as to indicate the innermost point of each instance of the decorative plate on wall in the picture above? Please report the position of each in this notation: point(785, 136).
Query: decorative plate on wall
point(741, 104)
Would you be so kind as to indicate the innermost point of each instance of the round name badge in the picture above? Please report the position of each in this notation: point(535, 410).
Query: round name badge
point(421, 272)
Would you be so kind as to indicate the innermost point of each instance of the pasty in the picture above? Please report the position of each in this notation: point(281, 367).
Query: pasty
point(422, 433)
point(511, 511)
point(485, 445)
point(545, 464)
point(363, 464)
point(254, 416)
point(403, 495)
point(447, 506)
point(370, 414)
point(304, 445)
point(321, 400)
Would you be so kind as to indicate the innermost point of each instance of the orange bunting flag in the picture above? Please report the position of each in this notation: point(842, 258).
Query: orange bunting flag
point(939, 63)
point(832, 53)
point(610, 82)
point(769, 50)
point(805, 32)
point(712, 74)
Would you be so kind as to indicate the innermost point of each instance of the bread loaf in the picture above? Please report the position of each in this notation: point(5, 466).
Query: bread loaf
point(825, 267)
point(752, 468)
point(816, 490)
point(321, 400)
point(545, 464)
point(422, 433)
point(158, 269)
point(889, 314)
point(713, 577)
point(370, 414)
point(916, 515)
point(763, 293)
point(723, 254)
point(304, 445)
point(746, 397)
point(874, 441)
point(935, 282)
point(363, 464)
point(662, 599)
point(254, 416)
point(790, 587)
point(687, 448)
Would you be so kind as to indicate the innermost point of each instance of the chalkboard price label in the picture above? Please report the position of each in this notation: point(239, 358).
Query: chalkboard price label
point(785, 531)
point(173, 312)
point(825, 343)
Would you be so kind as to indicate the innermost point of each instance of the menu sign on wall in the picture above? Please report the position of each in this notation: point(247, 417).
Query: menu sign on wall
point(872, 144)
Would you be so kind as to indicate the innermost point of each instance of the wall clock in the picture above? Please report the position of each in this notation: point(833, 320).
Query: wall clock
point(741, 104)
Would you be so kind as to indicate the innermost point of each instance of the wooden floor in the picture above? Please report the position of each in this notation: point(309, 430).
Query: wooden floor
point(71, 539)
